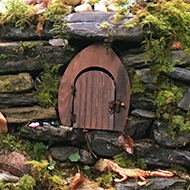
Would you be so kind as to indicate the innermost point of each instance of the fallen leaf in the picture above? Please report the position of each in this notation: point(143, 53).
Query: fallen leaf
point(126, 142)
point(39, 28)
point(77, 179)
point(176, 45)
point(101, 165)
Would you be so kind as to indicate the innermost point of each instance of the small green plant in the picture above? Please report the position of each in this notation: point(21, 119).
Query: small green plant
point(56, 11)
point(48, 89)
point(74, 157)
point(40, 151)
point(6, 186)
point(59, 27)
point(3, 56)
point(178, 123)
point(51, 165)
point(18, 13)
point(43, 177)
point(161, 25)
point(26, 182)
point(87, 170)
point(11, 143)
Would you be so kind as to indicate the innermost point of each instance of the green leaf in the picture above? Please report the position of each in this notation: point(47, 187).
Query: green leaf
point(51, 165)
point(87, 169)
point(74, 157)
point(38, 146)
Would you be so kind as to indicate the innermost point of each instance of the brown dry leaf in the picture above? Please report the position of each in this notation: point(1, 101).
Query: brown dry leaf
point(176, 45)
point(76, 180)
point(126, 142)
point(81, 183)
point(101, 165)
point(39, 28)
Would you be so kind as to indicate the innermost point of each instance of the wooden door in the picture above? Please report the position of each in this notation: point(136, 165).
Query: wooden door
point(93, 63)
point(94, 90)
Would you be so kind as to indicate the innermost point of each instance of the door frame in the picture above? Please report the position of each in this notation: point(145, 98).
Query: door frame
point(94, 56)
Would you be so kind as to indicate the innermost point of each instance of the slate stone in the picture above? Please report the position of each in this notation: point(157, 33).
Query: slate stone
point(161, 135)
point(143, 113)
point(146, 104)
point(145, 76)
point(134, 60)
point(17, 100)
point(10, 32)
point(105, 143)
point(180, 74)
point(142, 147)
point(62, 153)
point(87, 25)
point(83, 25)
point(8, 178)
point(86, 157)
point(16, 83)
point(138, 127)
point(179, 57)
point(32, 59)
point(63, 136)
point(27, 114)
point(153, 183)
point(185, 101)
point(165, 157)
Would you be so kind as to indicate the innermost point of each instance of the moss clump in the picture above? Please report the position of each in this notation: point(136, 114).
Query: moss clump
point(18, 13)
point(56, 11)
point(26, 182)
point(43, 177)
point(164, 23)
point(48, 89)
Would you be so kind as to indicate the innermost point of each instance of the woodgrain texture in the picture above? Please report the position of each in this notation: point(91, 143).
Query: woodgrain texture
point(94, 57)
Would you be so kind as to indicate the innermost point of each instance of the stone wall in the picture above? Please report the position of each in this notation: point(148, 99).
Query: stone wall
point(20, 65)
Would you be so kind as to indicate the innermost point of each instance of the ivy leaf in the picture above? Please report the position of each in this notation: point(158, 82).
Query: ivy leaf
point(38, 146)
point(74, 157)
point(87, 169)
point(51, 165)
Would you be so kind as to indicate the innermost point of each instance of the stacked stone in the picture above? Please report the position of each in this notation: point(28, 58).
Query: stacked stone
point(17, 100)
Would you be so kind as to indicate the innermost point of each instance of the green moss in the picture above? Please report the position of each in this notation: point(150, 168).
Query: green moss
point(43, 177)
point(26, 182)
point(6, 56)
point(92, 2)
point(124, 161)
point(163, 23)
point(56, 11)
point(18, 13)
point(48, 89)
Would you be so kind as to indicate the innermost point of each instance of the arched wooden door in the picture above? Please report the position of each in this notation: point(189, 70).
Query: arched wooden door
point(94, 92)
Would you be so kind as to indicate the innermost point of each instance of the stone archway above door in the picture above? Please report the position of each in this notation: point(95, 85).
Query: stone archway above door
point(94, 56)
